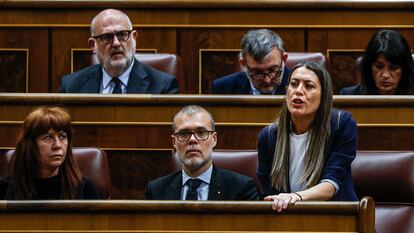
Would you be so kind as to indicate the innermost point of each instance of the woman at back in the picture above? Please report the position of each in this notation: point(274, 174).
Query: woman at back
point(386, 67)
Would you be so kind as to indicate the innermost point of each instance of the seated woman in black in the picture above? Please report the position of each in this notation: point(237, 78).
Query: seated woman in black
point(42, 165)
point(387, 67)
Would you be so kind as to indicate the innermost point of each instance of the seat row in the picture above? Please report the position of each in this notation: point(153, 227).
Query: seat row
point(387, 176)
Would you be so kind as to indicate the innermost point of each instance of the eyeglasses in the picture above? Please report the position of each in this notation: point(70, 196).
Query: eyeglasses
point(200, 135)
point(273, 73)
point(108, 38)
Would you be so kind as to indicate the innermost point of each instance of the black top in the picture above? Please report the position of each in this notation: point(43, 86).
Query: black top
point(353, 90)
point(3, 187)
point(51, 188)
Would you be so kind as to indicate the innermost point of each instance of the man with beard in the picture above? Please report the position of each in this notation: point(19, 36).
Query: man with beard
point(194, 138)
point(263, 59)
point(114, 40)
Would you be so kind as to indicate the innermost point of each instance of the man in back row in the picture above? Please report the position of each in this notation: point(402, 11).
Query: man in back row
point(114, 41)
point(194, 138)
point(263, 59)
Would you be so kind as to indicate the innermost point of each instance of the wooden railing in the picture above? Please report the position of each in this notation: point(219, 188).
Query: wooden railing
point(181, 216)
point(132, 118)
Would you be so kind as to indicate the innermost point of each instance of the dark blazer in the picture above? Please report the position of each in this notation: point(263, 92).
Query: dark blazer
point(238, 83)
point(353, 90)
point(340, 152)
point(361, 90)
point(224, 185)
point(142, 80)
point(3, 187)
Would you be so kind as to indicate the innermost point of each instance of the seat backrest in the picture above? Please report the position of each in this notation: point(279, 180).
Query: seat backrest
point(391, 218)
point(240, 161)
point(297, 57)
point(165, 62)
point(92, 162)
point(387, 176)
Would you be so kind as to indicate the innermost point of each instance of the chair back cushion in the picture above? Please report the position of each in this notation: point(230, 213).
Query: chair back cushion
point(296, 57)
point(240, 161)
point(92, 162)
point(391, 218)
point(387, 176)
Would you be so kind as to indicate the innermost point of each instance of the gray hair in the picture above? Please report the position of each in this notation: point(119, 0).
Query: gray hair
point(191, 110)
point(108, 11)
point(260, 42)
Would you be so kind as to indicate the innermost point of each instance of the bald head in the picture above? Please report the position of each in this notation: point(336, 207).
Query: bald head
point(113, 40)
point(106, 17)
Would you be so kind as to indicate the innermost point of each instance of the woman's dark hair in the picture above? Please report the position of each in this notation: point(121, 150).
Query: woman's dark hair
point(319, 132)
point(25, 163)
point(396, 50)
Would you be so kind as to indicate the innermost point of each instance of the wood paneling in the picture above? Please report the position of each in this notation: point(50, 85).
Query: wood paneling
point(35, 42)
point(178, 216)
point(63, 40)
point(14, 64)
point(53, 28)
point(97, 118)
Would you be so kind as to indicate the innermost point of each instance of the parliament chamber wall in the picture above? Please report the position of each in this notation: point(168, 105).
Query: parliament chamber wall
point(40, 41)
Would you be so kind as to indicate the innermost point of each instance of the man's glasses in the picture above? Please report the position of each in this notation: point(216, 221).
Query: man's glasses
point(259, 76)
point(200, 135)
point(108, 38)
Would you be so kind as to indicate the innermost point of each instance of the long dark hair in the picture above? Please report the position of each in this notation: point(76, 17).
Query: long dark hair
point(319, 132)
point(396, 50)
point(25, 164)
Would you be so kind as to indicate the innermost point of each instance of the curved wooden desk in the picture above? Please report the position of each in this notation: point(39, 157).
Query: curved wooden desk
point(180, 216)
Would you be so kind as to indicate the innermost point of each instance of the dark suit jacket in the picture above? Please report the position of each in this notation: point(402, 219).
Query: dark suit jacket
point(142, 80)
point(353, 90)
point(238, 83)
point(340, 152)
point(224, 185)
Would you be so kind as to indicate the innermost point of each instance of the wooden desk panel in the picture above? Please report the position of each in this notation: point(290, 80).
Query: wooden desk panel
point(135, 129)
point(178, 216)
point(96, 118)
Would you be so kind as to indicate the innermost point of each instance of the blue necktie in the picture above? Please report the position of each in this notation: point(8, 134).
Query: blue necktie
point(193, 184)
point(117, 88)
